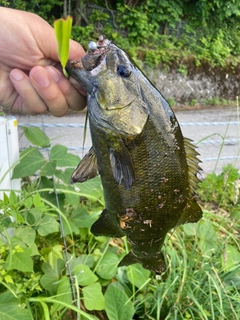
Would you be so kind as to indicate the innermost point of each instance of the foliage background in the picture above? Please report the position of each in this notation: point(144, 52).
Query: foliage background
point(167, 31)
point(46, 241)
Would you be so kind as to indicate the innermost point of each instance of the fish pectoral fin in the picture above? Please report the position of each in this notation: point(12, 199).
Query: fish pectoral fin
point(152, 263)
point(191, 213)
point(122, 165)
point(87, 168)
point(107, 226)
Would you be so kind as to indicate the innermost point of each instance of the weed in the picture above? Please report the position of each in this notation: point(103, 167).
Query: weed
point(171, 102)
point(193, 102)
point(202, 280)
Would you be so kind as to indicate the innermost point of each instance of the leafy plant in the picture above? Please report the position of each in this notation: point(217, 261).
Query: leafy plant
point(222, 190)
point(193, 102)
point(62, 29)
point(171, 101)
point(52, 267)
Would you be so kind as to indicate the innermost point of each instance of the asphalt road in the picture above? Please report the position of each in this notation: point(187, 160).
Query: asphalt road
point(209, 128)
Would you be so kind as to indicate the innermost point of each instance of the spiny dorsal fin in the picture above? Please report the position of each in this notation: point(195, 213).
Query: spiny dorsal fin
point(192, 211)
point(87, 168)
point(193, 164)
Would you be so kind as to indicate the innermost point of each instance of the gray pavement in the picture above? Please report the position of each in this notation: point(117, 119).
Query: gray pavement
point(209, 138)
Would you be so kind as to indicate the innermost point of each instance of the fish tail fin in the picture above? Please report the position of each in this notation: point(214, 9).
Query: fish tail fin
point(155, 263)
point(106, 226)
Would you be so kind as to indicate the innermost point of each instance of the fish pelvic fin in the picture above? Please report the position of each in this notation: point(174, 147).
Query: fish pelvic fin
point(87, 168)
point(107, 226)
point(122, 165)
point(152, 263)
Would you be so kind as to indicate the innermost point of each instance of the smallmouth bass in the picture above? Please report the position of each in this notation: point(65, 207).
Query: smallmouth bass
point(148, 169)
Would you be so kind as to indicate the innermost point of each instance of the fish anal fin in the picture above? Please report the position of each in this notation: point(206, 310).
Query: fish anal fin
point(152, 263)
point(122, 165)
point(191, 213)
point(87, 168)
point(107, 226)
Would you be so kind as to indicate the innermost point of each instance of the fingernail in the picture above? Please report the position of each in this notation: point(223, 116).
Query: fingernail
point(53, 73)
point(41, 78)
point(16, 75)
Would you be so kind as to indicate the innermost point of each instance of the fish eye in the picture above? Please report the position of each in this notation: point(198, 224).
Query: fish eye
point(123, 71)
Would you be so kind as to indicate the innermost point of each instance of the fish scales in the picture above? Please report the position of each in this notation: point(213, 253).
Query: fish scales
point(145, 173)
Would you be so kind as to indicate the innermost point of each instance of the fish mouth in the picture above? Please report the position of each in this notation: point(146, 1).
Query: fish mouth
point(95, 54)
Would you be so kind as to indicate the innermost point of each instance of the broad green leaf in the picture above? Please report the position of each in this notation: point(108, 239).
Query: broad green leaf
point(28, 202)
point(79, 218)
point(107, 268)
point(52, 275)
point(93, 297)
point(64, 294)
point(190, 229)
point(8, 297)
point(13, 198)
point(65, 175)
point(12, 311)
point(84, 275)
point(47, 225)
point(26, 234)
point(117, 304)
point(86, 259)
point(52, 254)
point(86, 220)
point(34, 250)
point(32, 217)
point(91, 189)
point(37, 201)
point(71, 197)
point(31, 160)
point(206, 231)
point(208, 238)
point(137, 275)
point(36, 136)
point(231, 257)
point(62, 29)
point(20, 261)
point(48, 169)
point(62, 157)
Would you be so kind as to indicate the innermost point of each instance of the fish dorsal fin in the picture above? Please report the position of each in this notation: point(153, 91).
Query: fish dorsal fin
point(192, 212)
point(122, 165)
point(193, 165)
point(87, 168)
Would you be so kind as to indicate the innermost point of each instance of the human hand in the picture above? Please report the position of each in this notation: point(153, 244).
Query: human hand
point(31, 80)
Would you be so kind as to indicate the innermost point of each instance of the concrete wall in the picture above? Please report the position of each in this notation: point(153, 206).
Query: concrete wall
point(200, 83)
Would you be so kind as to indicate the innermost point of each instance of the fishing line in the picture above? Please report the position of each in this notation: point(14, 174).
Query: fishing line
point(72, 284)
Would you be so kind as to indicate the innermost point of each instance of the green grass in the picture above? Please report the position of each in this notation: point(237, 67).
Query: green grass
point(202, 280)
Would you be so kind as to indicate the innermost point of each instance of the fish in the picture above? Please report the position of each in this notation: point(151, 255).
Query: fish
point(149, 171)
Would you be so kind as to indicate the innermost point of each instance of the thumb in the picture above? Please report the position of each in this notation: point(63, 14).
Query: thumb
point(76, 51)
